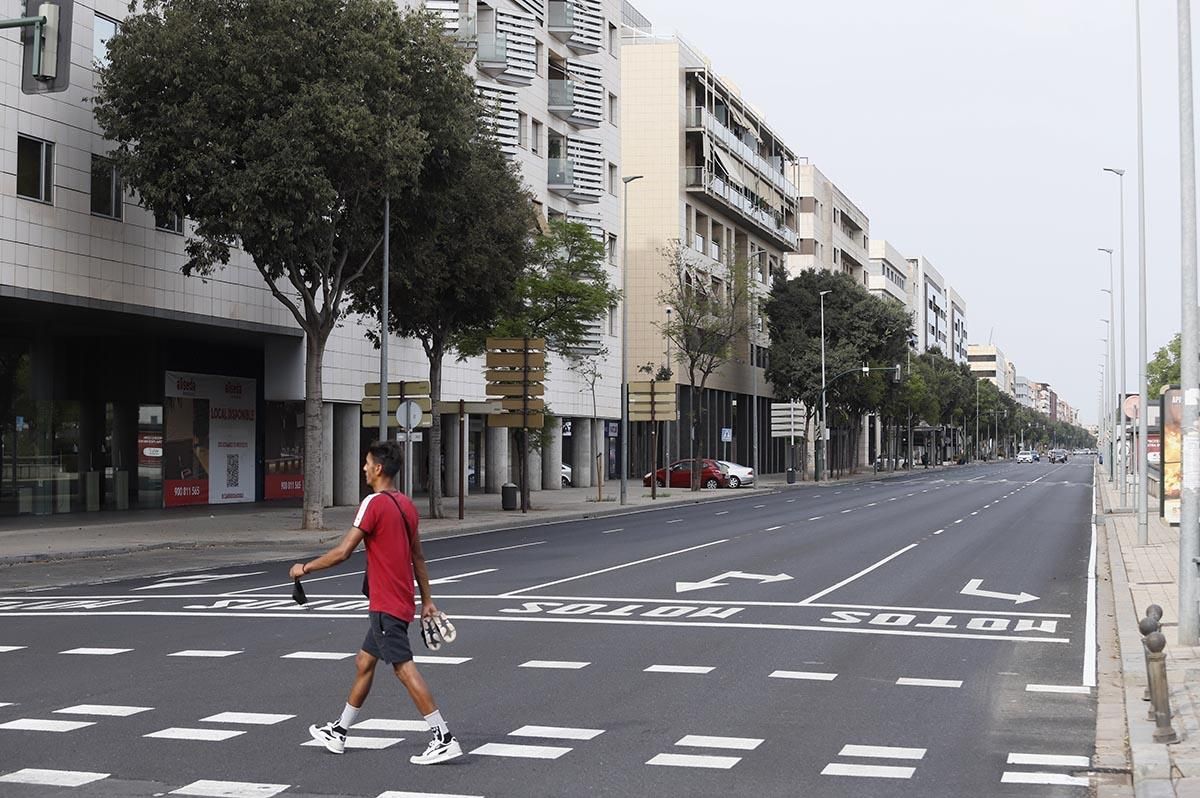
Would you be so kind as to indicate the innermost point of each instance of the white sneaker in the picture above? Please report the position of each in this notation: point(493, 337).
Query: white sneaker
point(439, 750)
point(331, 734)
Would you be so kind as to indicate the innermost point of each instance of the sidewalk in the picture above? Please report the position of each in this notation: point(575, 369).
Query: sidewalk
point(1141, 576)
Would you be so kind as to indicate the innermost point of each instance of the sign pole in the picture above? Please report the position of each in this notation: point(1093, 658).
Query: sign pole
point(462, 459)
point(383, 324)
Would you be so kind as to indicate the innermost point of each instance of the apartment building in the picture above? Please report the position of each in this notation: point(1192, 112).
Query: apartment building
point(1010, 381)
point(928, 297)
point(887, 272)
point(715, 177)
point(1024, 391)
point(1045, 400)
point(987, 362)
point(129, 384)
point(958, 327)
point(834, 232)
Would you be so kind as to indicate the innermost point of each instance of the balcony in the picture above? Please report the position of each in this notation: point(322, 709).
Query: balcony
point(466, 33)
point(561, 20)
point(697, 178)
point(491, 57)
point(577, 28)
point(699, 118)
point(560, 176)
point(562, 98)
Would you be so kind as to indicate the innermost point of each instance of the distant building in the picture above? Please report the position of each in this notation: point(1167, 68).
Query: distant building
point(834, 232)
point(958, 327)
point(1024, 395)
point(927, 297)
point(887, 272)
point(987, 362)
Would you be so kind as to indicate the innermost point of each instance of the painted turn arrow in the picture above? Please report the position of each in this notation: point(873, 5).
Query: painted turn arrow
point(716, 581)
point(972, 589)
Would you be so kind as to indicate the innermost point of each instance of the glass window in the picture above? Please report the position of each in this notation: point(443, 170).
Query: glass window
point(103, 29)
point(171, 222)
point(535, 137)
point(106, 188)
point(35, 168)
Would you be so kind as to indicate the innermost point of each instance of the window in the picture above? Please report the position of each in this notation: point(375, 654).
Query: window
point(103, 29)
point(612, 108)
point(106, 188)
point(613, 40)
point(612, 179)
point(535, 137)
point(172, 222)
point(612, 321)
point(539, 59)
point(35, 168)
point(612, 249)
point(522, 134)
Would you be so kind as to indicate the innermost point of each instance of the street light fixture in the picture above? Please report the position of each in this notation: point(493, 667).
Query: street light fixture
point(824, 417)
point(625, 340)
point(1120, 338)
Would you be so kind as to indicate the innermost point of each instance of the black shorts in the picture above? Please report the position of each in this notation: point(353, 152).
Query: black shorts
point(387, 639)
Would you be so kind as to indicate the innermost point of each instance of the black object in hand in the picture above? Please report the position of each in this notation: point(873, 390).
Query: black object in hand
point(298, 593)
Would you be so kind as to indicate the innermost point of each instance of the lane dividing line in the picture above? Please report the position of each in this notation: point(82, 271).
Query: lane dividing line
point(675, 521)
point(848, 511)
point(959, 521)
point(552, 664)
point(518, 592)
point(789, 501)
point(863, 572)
point(905, 681)
point(1089, 624)
point(1070, 689)
point(696, 669)
point(618, 529)
point(758, 507)
point(940, 531)
point(816, 518)
point(813, 676)
point(773, 528)
point(723, 512)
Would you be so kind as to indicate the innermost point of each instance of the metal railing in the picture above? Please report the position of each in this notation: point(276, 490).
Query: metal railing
point(562, 95)
point(560, 172)
point(493, 49)
point(699, 117)
point(699, 177)
point(561, 16)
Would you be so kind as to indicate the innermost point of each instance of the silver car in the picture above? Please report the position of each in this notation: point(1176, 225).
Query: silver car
point(736, 475)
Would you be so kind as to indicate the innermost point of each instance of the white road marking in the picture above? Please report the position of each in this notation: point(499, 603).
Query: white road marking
point(248, 718)
point(675, 521)
point(511, 593)
point(867, 771)
point(974, 512)
point(789, 501)
point(940, 531)
point(317, 655)
point(863, 572)
point(1073, 689)
point(449, 580)
point(99, 652)
point(872, 504)
point(773, 528)
point(734, 743)
point(609, 531)
point(6, 704)
point(391, 725)
point(723, 512)
point(195, 579)
point(553, 664)
point(905, 681)
point(882, 752)
point(206, 735)
point(6, 649)
point(1089, 624)
point(1061, 779)
point(427, 660)
point(892, 499)
point(758, 507)
point(521, 751)
point(230, 789)
point(959, 521)
point(694, 761)
point(111, 710)
point(910, 494)
point(816, 518)
point(815, 676)
point(408, 794)
point(52, 778)
point(679, 669)
point(1049, 760)
point(197, 652)
point(365, 743)
point(557, 732)
point(33, 724)
point(850, 510)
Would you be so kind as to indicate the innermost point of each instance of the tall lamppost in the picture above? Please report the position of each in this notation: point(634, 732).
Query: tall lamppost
point(669, 425)
point(824, 415)
point(1112, 366)
point(977, 419)
point(625, 340)
point(1124, 464)
point(1143, 532)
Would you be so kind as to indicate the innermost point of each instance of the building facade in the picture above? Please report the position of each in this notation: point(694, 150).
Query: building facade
point(958, 327)
point(834, 232)
point(928, 297)
point(887, 273)
point(987, 362)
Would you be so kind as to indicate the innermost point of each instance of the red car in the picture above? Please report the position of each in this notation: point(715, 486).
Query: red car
point(711, 475)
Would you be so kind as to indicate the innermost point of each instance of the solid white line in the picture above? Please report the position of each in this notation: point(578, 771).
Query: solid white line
point(807, 675)
point(615, 567)
point(33, 724)
point(521, 751)
point(1019, 777)
point(693, 761)
point(1089, 624)
point(98, 652)
point(207, 735)
point(905, 681)
point(675, 521)
point(1050, 760)
point(816, 518)
point(248, 718)
point(723, 512)
point(863, 572)
point(317, 655)
point(6, 649)
point(608, 531)
point(557, 732)
point(1073, 689)
point(408, 794)
point(733, 743)
point(365, 743)
point(447, 580)
point(110, 710)
point(678, 669)
point(427, 660)
point(553, 664)
point(230, 789)
point(52, 778)
point(882, 752)
point(773, 528)
point(194, 652)
point(867, 771)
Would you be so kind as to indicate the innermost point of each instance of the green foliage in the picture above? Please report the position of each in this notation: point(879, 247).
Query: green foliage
point(1163, 370)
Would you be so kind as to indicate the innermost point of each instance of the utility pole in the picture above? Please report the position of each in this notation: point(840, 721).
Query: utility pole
point(1122, 453)
point(1143, 532)
point(625, 340)
point(383, 329)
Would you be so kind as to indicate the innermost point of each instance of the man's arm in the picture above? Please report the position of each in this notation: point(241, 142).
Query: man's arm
point(421, 573)
point(338, 554)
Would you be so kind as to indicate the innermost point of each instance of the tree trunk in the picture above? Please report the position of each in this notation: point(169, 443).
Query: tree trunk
point(314, 432)
point(694, 425)
point(436, 351)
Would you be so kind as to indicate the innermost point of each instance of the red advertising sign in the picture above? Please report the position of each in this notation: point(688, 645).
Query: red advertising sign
point(182, 492)
point(283, 486)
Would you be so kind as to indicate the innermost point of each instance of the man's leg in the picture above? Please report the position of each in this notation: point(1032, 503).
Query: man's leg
point(365, 675)
point(443, 747)
point(418, 690)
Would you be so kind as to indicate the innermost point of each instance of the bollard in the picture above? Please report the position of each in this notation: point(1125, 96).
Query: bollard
point(1149, 625)
point(1160, 695)
point(1154, 611)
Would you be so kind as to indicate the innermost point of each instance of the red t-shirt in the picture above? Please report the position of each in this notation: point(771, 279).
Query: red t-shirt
point(389, 552)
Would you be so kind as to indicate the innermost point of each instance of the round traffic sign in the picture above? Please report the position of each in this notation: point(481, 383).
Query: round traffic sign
point(1131, 406)
point(408, 414)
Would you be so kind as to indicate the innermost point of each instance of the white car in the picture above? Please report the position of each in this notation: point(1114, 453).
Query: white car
point(1025, 457)
point(736, 475)
point(566, 475)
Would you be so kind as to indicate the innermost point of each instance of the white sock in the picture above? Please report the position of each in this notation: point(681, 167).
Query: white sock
point(435, 721)
point(348, 716)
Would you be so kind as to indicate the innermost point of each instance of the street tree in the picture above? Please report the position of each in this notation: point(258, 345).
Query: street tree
point(1163, 370)
point(278, 127)
point(711, 314)
point(589, 365)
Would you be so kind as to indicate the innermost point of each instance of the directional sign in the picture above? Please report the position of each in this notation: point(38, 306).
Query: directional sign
point(717, 581)
point(972, 588)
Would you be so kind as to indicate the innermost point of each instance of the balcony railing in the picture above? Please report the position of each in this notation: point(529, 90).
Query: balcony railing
point(561, 19)
point(562, 98)
point(492, 55)
point(697, 177)
point(699, 117)
point(560, 175)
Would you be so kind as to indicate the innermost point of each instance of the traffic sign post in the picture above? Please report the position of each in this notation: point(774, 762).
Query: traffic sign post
point(652, 401)
point(516, 368)
point(786, 422)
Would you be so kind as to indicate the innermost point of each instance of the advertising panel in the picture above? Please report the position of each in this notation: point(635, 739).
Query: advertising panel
point(208, 439)
point(284, 450)
point(1171, 455)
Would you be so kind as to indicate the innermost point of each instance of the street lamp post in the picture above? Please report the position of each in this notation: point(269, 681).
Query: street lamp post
point(1112, 367)
point(669, 424)
point(976, 419)
point(824, 417)
point(625, 340)
point(1124, 458)
point(1143, 532)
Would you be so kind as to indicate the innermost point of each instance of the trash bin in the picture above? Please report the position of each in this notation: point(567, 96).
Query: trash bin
point(508, 496)
point(791, 476)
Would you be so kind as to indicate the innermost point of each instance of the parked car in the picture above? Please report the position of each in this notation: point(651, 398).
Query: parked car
point(736, 475)
point(1025, 456)
point(1058, 455)
point(679, 475)
point(566, 475)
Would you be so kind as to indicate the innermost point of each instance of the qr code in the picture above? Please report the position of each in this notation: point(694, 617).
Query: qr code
point(233, 472)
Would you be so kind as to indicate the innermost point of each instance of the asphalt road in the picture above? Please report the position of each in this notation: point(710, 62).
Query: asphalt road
point(919, 635)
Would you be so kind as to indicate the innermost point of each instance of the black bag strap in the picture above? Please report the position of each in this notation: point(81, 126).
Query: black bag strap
point(407, 532)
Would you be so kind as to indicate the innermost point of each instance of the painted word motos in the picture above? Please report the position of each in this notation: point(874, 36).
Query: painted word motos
point(947, 622)
point(596, 610)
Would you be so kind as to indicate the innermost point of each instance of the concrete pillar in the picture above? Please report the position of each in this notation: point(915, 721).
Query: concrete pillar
point(496, 473)
point(552, 455)
point(582, 472)
point(327, 454)
point(347, 462)
point(450, 452)
point(864, 444)
point(878, 436)
point(533, 466)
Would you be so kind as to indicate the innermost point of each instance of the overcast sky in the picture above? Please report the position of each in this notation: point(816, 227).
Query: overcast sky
point(974, 132)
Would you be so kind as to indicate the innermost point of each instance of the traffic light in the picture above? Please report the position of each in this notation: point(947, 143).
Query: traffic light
point(46, 59)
